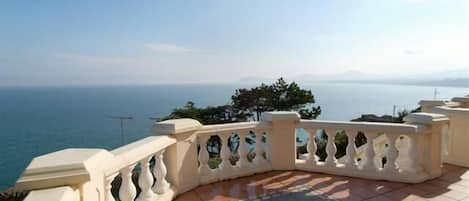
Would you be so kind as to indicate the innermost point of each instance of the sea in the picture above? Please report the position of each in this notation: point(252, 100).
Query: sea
point(39, 120)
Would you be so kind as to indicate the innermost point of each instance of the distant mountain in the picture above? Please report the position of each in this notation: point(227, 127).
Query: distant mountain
point(453, 78)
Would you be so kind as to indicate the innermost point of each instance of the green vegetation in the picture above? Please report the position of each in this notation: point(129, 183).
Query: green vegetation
point(251, 103)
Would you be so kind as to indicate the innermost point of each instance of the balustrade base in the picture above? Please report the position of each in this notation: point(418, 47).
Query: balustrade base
point(378, 174)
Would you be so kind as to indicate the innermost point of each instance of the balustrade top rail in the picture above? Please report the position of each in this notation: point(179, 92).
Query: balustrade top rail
point(210, 129)
point(134, 152)
point(363, 126)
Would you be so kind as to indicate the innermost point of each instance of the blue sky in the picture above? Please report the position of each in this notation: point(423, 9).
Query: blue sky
point(143, 42)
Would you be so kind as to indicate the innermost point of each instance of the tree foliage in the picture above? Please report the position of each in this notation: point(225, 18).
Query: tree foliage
point(251, 103)
point(279, 96)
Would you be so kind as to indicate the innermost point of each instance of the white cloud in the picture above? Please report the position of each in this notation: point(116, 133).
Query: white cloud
point(167, 48)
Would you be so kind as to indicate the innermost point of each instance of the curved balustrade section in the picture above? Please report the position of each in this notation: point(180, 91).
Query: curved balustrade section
point(184, 154)
point(142, 160)
point(234, 150)
point(401, 163)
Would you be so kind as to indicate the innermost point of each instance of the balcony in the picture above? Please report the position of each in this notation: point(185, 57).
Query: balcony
point(418, 159)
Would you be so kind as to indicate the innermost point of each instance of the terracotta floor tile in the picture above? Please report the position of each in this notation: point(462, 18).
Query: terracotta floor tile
point(345, 194)
point(189, 196)
point(379, 198)
point(300, 186)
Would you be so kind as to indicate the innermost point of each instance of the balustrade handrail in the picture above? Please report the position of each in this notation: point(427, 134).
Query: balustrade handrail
point(229, 127)
point(134, 152)
point(364, 126)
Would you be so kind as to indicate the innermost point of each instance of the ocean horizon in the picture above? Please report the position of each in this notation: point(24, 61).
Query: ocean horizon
point(40, 120)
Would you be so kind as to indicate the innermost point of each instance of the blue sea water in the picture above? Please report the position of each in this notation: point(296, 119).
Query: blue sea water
point(39, 120)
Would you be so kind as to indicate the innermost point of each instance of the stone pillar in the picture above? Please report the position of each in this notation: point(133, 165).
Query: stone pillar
point(80, 169)
point(429, 144)
point(463, 101)
point(181, 158)
point(282, 139)
point(428, 105)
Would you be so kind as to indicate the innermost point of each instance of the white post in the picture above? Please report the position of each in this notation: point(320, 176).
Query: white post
point(369, 163)
point(351, 150)
point(331, 149)
point(432, 144)
point(312, 148)
point(127, 191)
point(243, 162)
point(81, 168)
point(282, 139)
point(145, 181)
point(160, 172)
point(391, 154)
point(181, 158)
point(259, 161)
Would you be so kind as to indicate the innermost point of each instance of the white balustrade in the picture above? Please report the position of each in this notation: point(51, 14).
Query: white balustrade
point(127, 190)
point(243, 151)
point(204, 168)
point(160, 171)
point(331, 149)
point(226, 169)
point(403, 158)
point(108, 188)
point(259, 161)
point(311, 147)
point(351, 152)
point(139, 154)
point(369, 160)
point(391, 154)
point(406, 159)
point(243, 167)
point(145, 181)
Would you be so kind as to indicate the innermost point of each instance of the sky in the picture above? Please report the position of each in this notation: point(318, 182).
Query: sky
point(147, 42)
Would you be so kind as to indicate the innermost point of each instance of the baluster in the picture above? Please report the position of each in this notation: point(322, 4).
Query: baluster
point(351, 151)
point(414, 165)
point(127, 190)
point(225, 154)
point(204, 169)
point(331, 149)
point(160, 172)
point(444, 147)
point(312, 148)
point(243, 150)
point(391, 154)
point(108, 187)
point(259, 149)
point(145, 181)
point(267, 148)
point(369, 163)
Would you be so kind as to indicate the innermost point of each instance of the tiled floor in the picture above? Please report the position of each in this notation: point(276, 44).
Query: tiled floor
point(298, 186)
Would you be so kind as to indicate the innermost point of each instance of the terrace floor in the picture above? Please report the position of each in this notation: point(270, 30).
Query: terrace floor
point(299, 186)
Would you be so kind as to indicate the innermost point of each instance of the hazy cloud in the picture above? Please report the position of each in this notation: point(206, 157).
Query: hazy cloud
point(102, 61)
point(167, 48)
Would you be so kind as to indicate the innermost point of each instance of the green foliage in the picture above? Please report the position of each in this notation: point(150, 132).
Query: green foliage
point(251, 103)
point(280, 96)
point(207, 115)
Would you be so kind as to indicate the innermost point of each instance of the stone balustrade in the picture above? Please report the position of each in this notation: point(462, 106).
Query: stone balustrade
point(456, 136)
point(408, 156)
point(181, 156)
